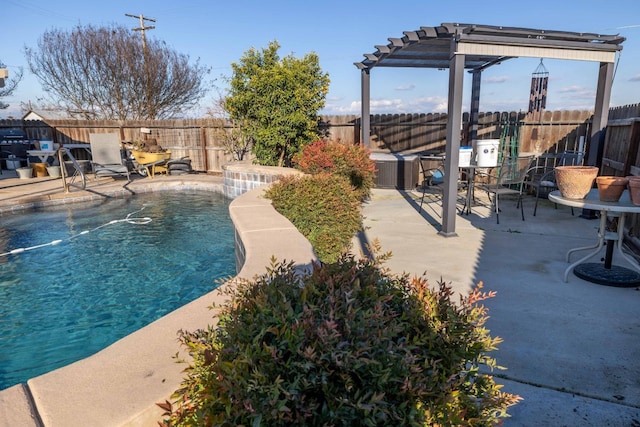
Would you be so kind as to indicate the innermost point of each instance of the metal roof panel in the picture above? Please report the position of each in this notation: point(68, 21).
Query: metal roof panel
point(430, 47)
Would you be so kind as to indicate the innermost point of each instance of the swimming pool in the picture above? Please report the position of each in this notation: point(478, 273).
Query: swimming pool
point(107, 277)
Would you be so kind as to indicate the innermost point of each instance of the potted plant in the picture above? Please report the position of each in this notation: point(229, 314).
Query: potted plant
point(54, 171)
point(575, 182)
point(610, 188)
point(24, 173)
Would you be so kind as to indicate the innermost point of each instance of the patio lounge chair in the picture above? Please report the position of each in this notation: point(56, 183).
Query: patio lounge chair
point(106, 155)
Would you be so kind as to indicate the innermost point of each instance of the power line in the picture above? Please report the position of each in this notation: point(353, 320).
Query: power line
point(41, 10)
point(142, 28)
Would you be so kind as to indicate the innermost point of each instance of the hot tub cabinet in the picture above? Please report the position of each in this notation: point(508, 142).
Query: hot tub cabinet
point(396, 170)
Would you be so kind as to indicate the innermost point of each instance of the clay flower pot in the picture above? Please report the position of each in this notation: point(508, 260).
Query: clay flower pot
point(574, 182)
point(610, 188)
point(634, 189)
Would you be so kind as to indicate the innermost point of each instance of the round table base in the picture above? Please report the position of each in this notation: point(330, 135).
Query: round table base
point(617, 276)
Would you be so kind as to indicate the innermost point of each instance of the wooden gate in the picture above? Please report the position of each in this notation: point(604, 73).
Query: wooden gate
point(620, 153)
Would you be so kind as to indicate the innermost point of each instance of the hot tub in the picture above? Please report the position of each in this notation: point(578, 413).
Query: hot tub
point(395, 170)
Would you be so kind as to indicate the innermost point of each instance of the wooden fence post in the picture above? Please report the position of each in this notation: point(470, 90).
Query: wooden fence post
point(205, 156)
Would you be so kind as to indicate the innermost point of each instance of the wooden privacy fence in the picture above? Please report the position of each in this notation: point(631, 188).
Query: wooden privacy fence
point(621, 157)
point(196, 139)
point(550, 132)
point(200, 139)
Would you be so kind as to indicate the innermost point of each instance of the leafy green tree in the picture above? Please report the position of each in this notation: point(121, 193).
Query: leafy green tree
point(109, 73)
point(276, 101)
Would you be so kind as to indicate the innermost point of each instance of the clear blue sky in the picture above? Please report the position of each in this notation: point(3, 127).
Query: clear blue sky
point(340, 32)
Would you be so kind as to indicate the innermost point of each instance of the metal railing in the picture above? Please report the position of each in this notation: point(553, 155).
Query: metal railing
point(78, 171)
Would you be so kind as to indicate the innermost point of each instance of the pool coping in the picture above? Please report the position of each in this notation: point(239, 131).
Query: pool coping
point(121, 384)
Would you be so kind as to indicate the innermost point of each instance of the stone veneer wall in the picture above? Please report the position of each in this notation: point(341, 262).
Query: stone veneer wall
point(242, 177)
point(240, 251)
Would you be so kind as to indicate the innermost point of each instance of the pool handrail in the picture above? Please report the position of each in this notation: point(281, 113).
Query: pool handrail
point(78, 170)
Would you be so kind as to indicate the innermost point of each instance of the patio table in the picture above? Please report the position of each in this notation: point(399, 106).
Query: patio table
point(469, 171)
point(43, 155)
point(603, 273)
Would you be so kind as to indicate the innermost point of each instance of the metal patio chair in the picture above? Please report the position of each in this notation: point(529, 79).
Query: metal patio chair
point(542, 179)
point(505, 179)
point(432, 184)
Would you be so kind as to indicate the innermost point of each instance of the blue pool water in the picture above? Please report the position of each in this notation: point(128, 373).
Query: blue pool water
point(62, 303)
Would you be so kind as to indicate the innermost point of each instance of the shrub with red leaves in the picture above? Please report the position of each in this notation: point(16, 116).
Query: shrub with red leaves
point(350, 161)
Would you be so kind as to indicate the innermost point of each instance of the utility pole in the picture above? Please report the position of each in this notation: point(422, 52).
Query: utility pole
point(142, 28)
point(148, 92)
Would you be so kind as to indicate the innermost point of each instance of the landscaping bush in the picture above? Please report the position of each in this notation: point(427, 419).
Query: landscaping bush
point(275, 101)
point(347, 345)
point(323, 207)
point(350, 161)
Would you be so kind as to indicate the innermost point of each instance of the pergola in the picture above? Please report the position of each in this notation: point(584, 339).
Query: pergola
point(475, 48)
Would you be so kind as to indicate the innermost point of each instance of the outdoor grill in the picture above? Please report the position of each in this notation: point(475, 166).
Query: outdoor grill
point(14, 144)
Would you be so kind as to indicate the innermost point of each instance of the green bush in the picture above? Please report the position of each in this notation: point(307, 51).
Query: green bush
point(350, 161)
point(323, 207)
point(276, 101)
point(346, 345)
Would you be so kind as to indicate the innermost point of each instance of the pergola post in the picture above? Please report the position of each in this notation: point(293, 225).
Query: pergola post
point(474, 109)
point(452, 150)
point(600, 113)
point(365, 100)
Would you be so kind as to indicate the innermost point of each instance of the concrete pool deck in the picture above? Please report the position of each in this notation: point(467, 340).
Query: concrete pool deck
point(571, 349)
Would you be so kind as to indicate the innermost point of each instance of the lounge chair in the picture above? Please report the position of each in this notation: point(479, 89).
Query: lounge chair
point(106, 155)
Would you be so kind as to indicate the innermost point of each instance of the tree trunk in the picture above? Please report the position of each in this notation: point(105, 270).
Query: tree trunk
point(281, 159)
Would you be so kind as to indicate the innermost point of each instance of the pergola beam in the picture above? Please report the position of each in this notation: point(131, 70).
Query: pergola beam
point(552, 52)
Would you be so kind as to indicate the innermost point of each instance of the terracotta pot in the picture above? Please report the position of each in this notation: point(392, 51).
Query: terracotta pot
point(634, 189)
point(574, 182)
point(610, 188)
point(633, 177)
